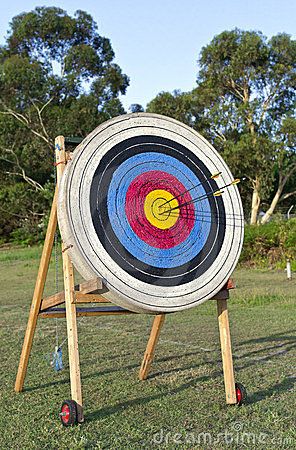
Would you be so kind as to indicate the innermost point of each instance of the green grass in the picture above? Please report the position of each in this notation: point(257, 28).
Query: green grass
point(182, 403)
point(20, 254)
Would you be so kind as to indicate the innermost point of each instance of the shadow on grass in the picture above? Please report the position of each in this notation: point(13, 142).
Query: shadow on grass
point(286, 385)
point(274, 337)
point(109, 371)
point(85, 363)
point(118, 408)
point(91, 375)
point(278, 388)
point(264, 349)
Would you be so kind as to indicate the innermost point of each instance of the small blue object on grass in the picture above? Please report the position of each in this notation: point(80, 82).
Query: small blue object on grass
point(57, 359)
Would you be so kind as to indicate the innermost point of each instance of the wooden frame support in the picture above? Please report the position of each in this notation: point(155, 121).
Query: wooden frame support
point(83, 294)
point(227, 360)
point(86, 312)
point(150, 349)
point(90, 292)
point(69, 286)
point(37, 296)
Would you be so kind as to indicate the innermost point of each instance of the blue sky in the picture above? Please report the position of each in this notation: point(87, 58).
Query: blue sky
point(157, 42)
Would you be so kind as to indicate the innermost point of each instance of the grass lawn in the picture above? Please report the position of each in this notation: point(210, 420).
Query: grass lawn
point(182, 403)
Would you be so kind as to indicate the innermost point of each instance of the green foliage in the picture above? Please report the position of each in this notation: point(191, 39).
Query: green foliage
point(251, 82)
point(136, 108)
point(176, 105)
point(244, 103)
point(57, 76)
point(270, 245)
point(24, 213)
point(50, 56)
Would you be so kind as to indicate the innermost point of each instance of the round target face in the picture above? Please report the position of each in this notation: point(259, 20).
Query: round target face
point(147, 204)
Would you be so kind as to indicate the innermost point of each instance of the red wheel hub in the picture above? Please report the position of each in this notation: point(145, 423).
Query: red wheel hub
point(65, 413)
point(239, 395)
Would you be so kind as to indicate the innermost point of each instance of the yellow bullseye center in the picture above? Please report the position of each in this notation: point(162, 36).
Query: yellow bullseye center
point(158, 214)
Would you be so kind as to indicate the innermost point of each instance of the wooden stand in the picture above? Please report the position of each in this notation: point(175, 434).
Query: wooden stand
point(87, 293)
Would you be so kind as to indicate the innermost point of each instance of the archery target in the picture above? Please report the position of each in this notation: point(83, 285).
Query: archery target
point(137, 208)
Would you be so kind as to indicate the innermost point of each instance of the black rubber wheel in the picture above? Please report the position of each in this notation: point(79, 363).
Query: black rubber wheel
point(241, 393)
point(68, 413)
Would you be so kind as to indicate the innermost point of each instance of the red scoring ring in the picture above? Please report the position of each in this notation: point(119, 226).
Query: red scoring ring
point(136, 194)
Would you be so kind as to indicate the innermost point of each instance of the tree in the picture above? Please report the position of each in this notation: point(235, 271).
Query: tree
point(248, 84)
point(57, 76)
point(244, 103)
point(285, 165)
point(177, 105)
point(136, 108)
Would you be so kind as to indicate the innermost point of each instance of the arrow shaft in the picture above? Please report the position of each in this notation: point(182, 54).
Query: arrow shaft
point(194, 187)
point(202, 197)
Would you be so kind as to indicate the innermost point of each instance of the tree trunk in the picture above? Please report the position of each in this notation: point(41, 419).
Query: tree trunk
point(255, 202)
point(256, 183)
point(273, 204)
point(281, 184)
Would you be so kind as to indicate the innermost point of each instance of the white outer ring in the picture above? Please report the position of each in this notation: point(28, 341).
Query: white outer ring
point(124, 289)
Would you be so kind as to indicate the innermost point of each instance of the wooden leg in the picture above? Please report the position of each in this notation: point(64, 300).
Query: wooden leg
point(74, 365)
point(149, 353)
point(226, 352)
point(37, 296)
point(69, 287)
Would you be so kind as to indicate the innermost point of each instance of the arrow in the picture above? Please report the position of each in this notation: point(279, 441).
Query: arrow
point(213, 177)
point(206, 195)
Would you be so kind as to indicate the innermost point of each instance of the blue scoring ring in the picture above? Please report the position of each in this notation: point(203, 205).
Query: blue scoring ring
point(121, 179)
